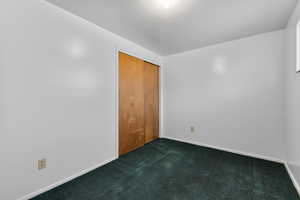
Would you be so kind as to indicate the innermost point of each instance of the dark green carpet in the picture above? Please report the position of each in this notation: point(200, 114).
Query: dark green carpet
point(170, 170)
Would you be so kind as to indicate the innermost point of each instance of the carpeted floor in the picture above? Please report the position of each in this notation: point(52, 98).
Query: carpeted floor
point(170, 170)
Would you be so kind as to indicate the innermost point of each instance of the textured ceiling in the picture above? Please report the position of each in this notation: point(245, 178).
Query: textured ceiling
point(186, 24)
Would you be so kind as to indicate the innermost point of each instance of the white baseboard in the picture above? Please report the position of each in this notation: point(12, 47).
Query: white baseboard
point(47, 188)
point(58, 183)
point(297, 186)
point(229, 150)
point(292, 177)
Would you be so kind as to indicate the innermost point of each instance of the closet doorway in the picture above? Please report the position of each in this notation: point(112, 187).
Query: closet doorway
point(138, 102)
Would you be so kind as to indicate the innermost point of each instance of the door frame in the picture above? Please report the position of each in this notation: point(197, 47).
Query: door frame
point(158, 64)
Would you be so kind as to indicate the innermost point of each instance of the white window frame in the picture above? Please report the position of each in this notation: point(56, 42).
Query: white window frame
point(298, 48)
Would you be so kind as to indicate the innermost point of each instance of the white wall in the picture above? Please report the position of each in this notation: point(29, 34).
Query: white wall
point(292, 98)
point(231, 92)
point(58, 94)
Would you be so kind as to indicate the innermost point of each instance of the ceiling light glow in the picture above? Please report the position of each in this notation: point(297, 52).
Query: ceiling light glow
point(166, 3)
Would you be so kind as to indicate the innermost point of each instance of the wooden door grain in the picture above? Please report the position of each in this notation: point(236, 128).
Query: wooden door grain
point(151, 91)
point(131, 103)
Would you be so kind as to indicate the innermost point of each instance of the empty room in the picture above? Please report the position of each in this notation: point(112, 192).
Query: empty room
point(150, 100)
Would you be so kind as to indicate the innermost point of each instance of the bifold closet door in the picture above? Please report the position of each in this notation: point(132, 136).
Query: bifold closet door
point(151, 90)
point(131, 103)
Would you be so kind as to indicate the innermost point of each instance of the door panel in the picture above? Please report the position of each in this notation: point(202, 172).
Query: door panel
point(131, 103)
point(151, 89)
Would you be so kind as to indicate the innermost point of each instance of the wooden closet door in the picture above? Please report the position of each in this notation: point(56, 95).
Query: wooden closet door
point(131, 103)
point(151, 89)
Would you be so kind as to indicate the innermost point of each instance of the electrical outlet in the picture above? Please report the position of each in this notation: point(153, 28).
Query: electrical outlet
point(42, 164)
point(192, 129)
